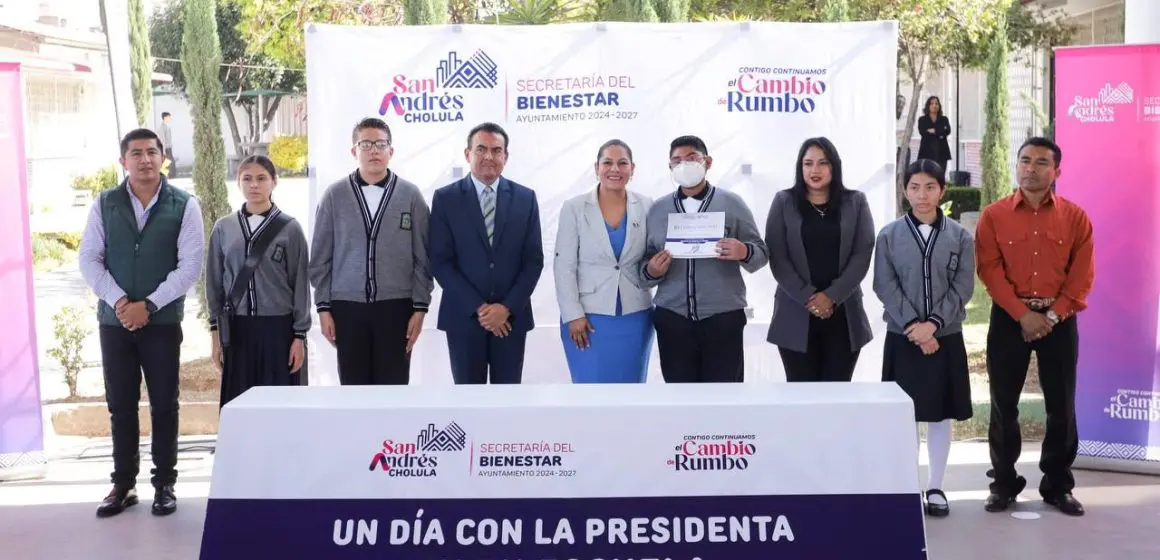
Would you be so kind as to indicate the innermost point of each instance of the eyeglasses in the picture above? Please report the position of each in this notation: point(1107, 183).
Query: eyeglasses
point(366, 145)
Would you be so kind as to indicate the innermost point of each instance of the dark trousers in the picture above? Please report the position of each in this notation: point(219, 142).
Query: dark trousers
point(711, 350)
point(479, 357)
point(156, 351)
point(828, 356)
point(1007, 359)
point(371, 341)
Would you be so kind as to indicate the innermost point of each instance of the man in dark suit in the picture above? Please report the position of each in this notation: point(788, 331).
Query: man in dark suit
point(487, 255)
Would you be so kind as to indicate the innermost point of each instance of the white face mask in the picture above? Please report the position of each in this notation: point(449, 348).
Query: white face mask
point(689, 173)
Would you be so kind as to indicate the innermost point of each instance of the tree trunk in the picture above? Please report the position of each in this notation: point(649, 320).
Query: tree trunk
point(232, 120)
point(915, 67)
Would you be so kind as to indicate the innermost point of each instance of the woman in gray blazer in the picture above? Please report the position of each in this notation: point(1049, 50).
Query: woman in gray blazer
point(821, 239)
point(605, 315)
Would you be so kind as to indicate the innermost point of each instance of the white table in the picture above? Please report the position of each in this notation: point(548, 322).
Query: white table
point(586, 472)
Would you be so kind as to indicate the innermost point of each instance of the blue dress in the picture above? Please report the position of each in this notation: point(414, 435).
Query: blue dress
point(620, 347)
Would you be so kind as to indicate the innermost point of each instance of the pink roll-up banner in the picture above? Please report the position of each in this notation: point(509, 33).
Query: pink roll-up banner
point(1108, 126)
point(21, 424)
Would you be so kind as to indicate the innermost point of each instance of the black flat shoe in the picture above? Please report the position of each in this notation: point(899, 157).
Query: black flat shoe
point(998, 502)
point(935, 509)
point(1066, 503)
point(119, 499)
point(164, 501)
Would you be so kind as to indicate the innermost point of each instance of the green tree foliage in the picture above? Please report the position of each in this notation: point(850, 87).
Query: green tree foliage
point(996, 145)
point(240, 72)
point(543, 12)
point(672, 10)
point(201, 58)
point(276, 28)
point(140, 62)
point(424, 12)
point(755, 10)
point(836, 10)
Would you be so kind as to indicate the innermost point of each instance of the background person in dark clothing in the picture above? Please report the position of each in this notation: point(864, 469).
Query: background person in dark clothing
point(1036, 257)
point(821, 238)
point(140, 253)
point(933, 129)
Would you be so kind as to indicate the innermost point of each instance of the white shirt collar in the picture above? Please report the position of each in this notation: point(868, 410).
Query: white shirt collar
point(480, 185)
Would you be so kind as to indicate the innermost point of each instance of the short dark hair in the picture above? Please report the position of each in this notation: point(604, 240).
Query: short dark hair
point(371, 122)
point(1041, 142)
point(611, 143)
point(260, 160)
point(488, 127)
point(930, 167)
point(140, 134)
point(165, 114)
point(688, 141)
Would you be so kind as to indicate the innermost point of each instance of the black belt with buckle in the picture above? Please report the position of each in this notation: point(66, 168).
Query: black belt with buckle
point(1037, 304)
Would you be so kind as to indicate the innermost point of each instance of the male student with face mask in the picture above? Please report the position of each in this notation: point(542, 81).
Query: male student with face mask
point(700, 299)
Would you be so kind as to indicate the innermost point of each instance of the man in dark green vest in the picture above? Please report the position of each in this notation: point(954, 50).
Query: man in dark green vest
point(140, 253)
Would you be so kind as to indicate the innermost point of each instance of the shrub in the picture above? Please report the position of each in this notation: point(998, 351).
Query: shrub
point(100, 180)
point(47, 252)
point(70, 239)
point(956, 201)
point(70, 328)
point(289, 153)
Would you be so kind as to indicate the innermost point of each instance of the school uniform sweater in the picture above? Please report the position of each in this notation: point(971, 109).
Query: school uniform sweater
point(370, 243)
point(279, 286)
point(700, 288)
point(924, 273)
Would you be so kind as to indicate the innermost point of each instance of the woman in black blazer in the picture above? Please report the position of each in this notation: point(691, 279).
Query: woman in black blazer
point(934, 128)
point(821, 240)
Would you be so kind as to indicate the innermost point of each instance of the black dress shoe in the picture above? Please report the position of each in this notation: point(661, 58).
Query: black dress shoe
point(164, 501)
point(998, 502)
point(937, 509)
point(1066, 503)
point(119, 498)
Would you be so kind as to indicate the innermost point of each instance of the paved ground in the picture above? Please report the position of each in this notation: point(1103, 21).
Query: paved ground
point(1123, 513)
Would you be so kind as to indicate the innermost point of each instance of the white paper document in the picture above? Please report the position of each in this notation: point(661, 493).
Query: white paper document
point(695, 235)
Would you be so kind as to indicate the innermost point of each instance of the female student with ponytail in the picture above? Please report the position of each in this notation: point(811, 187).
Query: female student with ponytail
point(257, 288)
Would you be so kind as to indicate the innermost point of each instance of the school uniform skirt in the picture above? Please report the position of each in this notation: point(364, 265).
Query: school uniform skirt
point(258, 354)
point(939, 384)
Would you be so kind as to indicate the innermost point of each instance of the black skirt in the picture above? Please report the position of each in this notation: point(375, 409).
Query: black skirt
point(939, 384)
point(258, 355)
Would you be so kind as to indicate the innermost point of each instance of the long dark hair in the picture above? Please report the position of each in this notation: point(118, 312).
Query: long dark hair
point(926, 108)
point(837, 187)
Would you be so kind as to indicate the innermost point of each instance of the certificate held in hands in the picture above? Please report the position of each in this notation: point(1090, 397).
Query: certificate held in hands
point(695, 235)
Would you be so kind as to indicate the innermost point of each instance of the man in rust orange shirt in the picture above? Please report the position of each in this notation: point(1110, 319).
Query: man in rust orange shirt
point(1034, 253)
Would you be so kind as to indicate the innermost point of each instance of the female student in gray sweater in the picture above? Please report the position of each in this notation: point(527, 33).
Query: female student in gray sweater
point(924, 273)
point(259, 308)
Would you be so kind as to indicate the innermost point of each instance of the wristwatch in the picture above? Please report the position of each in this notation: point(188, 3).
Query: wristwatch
point(1052, 316)
point(150, 307)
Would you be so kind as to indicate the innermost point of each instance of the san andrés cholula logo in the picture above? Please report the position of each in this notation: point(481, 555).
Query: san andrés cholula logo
point(419, 458)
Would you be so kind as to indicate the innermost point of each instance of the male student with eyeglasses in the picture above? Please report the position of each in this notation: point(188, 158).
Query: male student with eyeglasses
point(368, 264)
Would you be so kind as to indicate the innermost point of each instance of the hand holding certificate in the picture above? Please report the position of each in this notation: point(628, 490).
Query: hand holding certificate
point(695, 235)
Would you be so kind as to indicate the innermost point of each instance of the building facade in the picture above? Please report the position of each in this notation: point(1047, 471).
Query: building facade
point(1029, 76)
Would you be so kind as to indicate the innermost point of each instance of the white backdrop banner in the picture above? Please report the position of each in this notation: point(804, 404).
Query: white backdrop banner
point(752, 91)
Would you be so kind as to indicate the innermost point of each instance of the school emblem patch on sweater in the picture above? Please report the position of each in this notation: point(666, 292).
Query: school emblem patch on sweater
point(405, 221)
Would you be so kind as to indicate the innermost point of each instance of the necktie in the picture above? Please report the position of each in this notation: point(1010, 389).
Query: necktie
point(488, 206)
